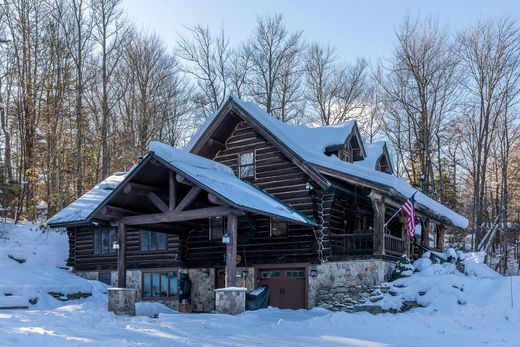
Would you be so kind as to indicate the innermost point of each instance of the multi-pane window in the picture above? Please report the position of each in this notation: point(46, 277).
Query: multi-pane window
point(159, 284)
point(278, 228)
point(152, 241)
point(246, 167)
point(216, 228)
point(104, 239)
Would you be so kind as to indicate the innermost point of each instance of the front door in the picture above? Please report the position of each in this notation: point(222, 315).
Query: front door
point(286, 286)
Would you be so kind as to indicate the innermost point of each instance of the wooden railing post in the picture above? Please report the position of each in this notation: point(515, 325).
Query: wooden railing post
point(378, 204)
point(231, 251)
point(121, 256)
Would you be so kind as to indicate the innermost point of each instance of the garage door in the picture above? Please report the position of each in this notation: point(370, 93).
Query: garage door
point(286, 286)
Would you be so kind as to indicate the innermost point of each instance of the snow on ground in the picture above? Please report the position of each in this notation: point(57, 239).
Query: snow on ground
point(485, 316)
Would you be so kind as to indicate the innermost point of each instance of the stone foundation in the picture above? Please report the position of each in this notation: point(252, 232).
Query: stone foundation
point(346, 274)
point(121, 301)
point(202, 287)
point(230, 300)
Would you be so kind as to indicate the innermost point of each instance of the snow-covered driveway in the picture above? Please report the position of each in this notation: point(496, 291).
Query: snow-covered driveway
point(90, 324)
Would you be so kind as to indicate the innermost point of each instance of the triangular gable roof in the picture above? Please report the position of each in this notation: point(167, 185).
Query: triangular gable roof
point(209, 175)
point(374, 151)
point(309, 144)
point(221, 180)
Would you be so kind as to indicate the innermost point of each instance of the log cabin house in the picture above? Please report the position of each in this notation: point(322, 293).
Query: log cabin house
point(298, 209)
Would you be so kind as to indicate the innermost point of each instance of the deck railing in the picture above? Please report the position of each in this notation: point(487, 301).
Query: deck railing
point(352, 244)
point(394, 245)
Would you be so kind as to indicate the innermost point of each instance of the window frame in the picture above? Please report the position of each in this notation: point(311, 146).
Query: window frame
point(253, 164)
point(278, 221)
point(169, 271)
point(157, 241)
point(112, 237)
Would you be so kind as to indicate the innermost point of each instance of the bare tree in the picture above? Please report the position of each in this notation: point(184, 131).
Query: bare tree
point(334, 91)
point(489, 52)
point(206, 57)
point(418, 96)
point(275, 58)
point(109, 33)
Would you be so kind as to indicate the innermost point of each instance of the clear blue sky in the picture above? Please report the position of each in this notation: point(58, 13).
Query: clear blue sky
point(357, 28)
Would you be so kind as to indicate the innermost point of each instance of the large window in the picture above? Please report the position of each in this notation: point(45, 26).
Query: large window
point(152, 241)
point(104, 239)
point(246, 167)
point(216, 228)
point(159, 284)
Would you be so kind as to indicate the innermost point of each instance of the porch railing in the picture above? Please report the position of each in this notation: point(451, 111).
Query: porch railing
point(352, 244)
point(394, 245)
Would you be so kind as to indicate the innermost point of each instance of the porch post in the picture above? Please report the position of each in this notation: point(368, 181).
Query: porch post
point(121, 256)
point(441, 230)
point(231, 251)
point(406, 238)
point(425, 233)
point(378, 204)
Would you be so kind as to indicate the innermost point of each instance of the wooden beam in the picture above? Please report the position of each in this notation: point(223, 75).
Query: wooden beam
point(182, 180)
point(378, 204)
point(231, 251)
point(157, 201)
point(214, 200)
point(216, 143)
point(140, 188)
point(121, 256)
point(172, 189)
point(188, 199)
point(183, 216)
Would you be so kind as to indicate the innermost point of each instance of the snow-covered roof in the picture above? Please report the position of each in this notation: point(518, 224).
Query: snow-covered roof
point(373, 150)
point(310, 144)
point(80, 210)
point(221, 180)
point(210, 175)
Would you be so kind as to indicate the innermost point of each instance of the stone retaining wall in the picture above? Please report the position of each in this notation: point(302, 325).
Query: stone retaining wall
point(346, 274)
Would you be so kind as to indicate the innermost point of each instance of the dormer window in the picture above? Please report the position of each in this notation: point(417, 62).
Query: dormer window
point(383, 165)
point(246, 164)
point(344, 155)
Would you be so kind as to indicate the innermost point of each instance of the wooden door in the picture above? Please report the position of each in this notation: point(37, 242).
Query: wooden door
point(294, 288)
point(286, 287)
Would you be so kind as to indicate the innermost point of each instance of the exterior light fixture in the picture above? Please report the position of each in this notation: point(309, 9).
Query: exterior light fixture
point(245, 273)
point(115, 246)
point(313, 271)
point(205, 272)
point(226, 239)
point(308, 186)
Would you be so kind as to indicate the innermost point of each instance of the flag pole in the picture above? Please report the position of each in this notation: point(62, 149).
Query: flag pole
point(399, 210)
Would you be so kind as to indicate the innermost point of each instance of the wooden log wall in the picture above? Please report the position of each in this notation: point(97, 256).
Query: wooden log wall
point(83, 258)
point(278, 176)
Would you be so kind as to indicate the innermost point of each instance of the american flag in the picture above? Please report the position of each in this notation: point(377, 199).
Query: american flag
point(409, 210)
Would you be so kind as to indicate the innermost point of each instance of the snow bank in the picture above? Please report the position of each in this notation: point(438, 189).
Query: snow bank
point(32, 263)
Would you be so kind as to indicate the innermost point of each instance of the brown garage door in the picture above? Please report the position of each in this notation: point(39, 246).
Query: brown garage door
point(286, 286)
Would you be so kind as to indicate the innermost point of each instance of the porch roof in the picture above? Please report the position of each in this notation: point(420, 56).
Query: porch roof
point(211, 176)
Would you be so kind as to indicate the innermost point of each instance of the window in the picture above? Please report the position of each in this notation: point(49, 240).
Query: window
point(270, 274)
point(343, 154)
point(216, 228)
point(159, 284)
point(278, 228)
point(152, 241)
point(295, 274)
point(104, 239)
point(105, 277)
point(246, 167)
